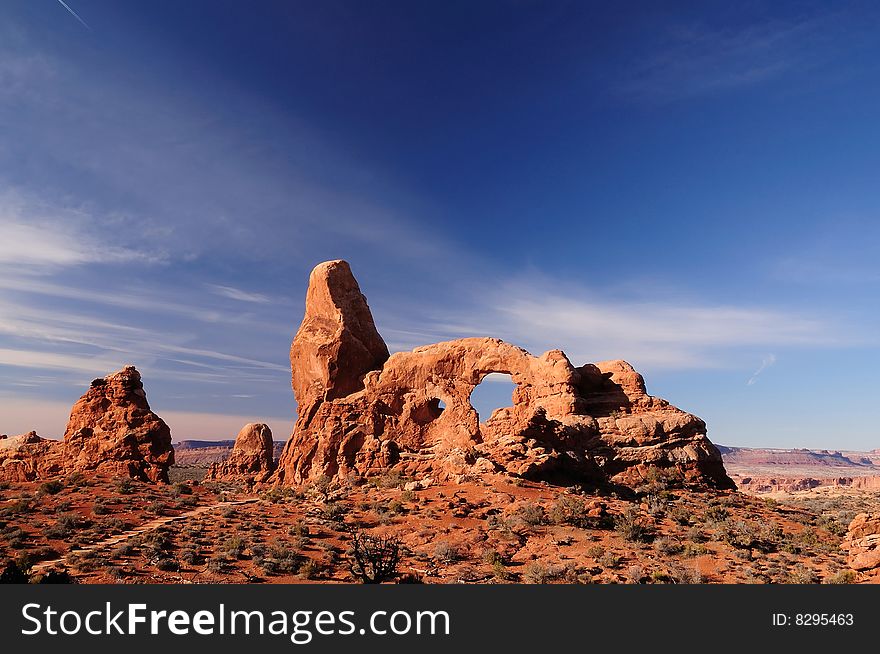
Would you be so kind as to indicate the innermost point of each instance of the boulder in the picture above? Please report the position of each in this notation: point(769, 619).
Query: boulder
point(362, 412)
point(251, 458)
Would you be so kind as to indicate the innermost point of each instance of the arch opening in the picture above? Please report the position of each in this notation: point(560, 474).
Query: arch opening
point(428, 412)
point(495, 391)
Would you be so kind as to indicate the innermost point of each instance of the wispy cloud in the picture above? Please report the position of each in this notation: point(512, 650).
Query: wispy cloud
point(698, 60)
point(657, 334)
point(238, 294)
point(35, 235)
point(768, 361)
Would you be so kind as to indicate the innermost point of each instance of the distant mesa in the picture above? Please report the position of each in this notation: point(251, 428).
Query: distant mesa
point(363, 411)
point(251, 459)
point(111, 431)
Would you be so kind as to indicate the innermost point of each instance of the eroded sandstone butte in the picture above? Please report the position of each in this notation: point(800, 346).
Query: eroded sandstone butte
point(361, 411)
point(252, 456)
point(111, 430)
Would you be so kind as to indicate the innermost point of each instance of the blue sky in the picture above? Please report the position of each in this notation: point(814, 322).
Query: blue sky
point(691, 187)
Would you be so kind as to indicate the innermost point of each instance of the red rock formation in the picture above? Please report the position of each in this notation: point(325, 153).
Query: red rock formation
point(29, 457)
point(368, 414)
point(863, 542)
point(251, 458)
point(337, 342)
point(112, 430)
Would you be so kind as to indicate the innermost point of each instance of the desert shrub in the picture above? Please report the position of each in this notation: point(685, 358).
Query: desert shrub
point(389, 480)
point(538, 573)
point(87, 561)
point(66, 524)
point(158, 508)
point(500, 571)
point(685, 574)
point(299, 528)
point(679, 514)
point(311, 569)
point(532, 514)
point(570, 510)
point(610, 560)
point(655, 504)
point(234, 547)
point(125, 486)
point(100, 508)
point(61, 576)
point(155, 544)
point(666, 546)
point(52, 487)
point(801, 574)
point(181, 489)
point(374, 559)
point(595, 551)
point(217, 564)
point(447, 552)
point(631, 526)
point(191, 556)
point(168, 564)
point(13, 573)
point(19, 506)
point(635, 574)
point(492, 557)
point(123, 549)
point(738, 533)
point(229, 512)
point(281, 559)
point(333, 511)
point(116, 572)
point(76, 479)
point(716, 515)
point(833, 525)
point(842, 577)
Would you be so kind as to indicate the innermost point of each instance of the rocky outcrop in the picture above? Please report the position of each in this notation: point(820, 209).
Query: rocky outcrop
point(362, 412)
point(251, 459)
point(112, 430)
point(337, 342)
point(863, 542)
point(29, 457)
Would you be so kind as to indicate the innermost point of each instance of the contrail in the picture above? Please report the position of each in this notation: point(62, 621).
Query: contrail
point(74, 14)
point(768, 361)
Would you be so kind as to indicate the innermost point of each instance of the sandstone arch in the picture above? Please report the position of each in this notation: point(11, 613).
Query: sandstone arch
point(362, 411)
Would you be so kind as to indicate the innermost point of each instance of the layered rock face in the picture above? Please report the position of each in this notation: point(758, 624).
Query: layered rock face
point(363, 412)
point(29, 457)
point(251, 458)
point(863, 542)
point(112, 430)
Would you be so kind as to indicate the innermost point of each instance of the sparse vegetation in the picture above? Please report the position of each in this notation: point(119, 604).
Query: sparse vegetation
point(374, 559)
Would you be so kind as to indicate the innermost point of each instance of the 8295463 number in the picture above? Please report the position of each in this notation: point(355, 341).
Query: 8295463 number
point(823, 619)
